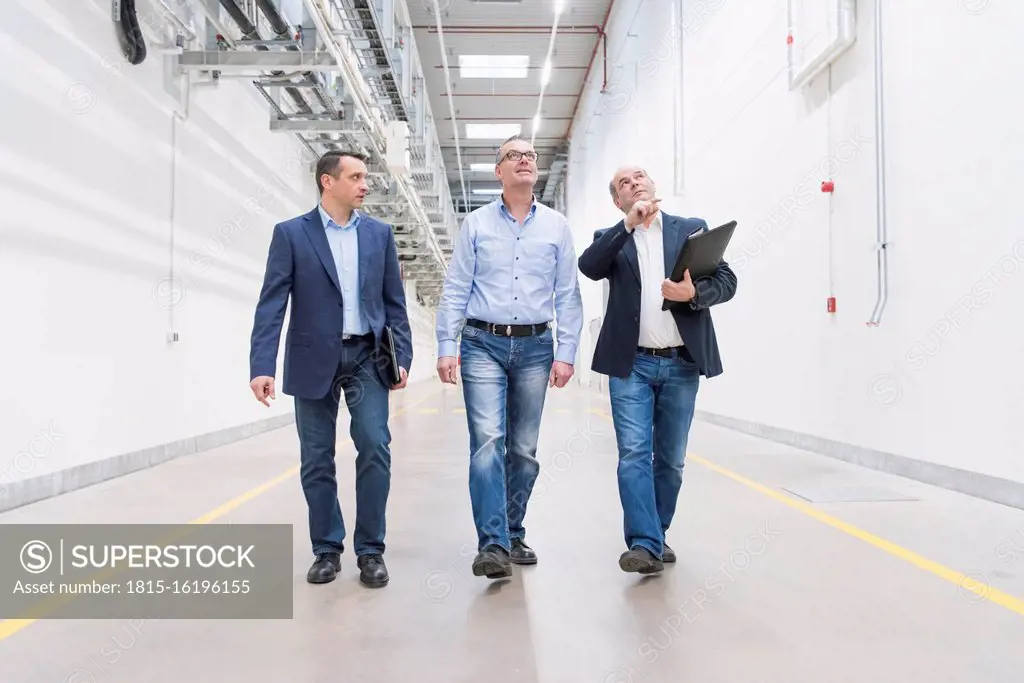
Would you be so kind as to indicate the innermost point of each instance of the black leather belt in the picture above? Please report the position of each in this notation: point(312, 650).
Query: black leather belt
point(508, 330)
point(671, 352)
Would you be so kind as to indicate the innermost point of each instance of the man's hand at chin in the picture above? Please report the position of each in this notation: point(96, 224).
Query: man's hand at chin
point(561, 373)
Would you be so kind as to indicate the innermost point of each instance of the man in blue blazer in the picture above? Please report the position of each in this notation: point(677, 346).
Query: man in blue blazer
point(653, 358)
point(340, 269)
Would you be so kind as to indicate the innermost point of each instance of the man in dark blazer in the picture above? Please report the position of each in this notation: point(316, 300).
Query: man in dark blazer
point(340, 269)
point(653, 358)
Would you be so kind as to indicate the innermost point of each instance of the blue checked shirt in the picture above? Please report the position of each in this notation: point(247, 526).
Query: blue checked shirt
point(509, 274)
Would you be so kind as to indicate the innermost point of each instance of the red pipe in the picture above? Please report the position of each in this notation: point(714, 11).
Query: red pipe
point(508, 94)
point(604, 60)
point(603, 38)
point(512, 29)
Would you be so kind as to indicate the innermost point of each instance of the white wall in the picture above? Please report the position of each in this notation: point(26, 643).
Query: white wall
point(94, 188)
point(939, 379)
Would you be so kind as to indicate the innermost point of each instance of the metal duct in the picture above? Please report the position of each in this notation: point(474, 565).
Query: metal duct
point(250, 32)
point(282, 30)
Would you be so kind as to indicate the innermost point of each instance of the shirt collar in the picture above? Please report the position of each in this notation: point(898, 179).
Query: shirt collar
point(503, 207)
point(327, 220)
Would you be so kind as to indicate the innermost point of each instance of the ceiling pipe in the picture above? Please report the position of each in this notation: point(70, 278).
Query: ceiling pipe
point(602, 38)
point(249, 32)
point(513, 30)
point(451, 102)
point(547, 69)
point(283, 31)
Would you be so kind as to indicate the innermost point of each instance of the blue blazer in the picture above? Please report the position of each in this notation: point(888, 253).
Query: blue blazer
point(612, 255)
point(300, 266)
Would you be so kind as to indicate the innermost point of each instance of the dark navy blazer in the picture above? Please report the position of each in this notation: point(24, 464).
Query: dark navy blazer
point(612, 255)
point(300, 266)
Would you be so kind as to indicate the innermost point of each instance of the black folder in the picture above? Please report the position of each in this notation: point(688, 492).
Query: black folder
point(701, 254)
point(390, 358)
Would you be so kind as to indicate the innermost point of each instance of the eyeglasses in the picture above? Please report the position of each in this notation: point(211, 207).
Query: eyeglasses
point(516, 155)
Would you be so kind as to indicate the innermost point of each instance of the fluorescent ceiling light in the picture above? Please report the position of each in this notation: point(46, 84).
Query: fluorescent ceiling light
point(491, 191)
point(496, 131)
point(545, 75)
point(493, 66)
point(482, 167)
point(536, 122)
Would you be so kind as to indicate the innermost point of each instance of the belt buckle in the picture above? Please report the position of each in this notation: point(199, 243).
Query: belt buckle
point(508, 330)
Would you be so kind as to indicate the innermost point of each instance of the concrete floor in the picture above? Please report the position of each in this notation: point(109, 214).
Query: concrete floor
point(783, 575)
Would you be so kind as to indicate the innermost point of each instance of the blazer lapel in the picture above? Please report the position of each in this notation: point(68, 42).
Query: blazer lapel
point(629, 251)
point(364, 239)
point(318, 237)
point(670, 234)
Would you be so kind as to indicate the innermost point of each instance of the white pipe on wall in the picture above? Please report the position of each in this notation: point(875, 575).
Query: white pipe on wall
point(881, 228)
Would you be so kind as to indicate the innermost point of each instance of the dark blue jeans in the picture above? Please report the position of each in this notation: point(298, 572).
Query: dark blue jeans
point(316, 420)
point(504, 383)
point(652, 410)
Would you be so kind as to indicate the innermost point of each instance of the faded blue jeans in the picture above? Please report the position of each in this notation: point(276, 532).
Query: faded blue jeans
point(652, 410)
point(504, 383)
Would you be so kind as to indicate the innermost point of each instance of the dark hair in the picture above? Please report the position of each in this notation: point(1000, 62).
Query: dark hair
point(330, 164)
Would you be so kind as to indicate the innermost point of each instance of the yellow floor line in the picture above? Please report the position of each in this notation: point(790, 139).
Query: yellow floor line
point(960, 579)
point(9, 627)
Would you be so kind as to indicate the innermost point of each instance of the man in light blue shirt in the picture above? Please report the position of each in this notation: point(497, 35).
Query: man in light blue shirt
point(513, 270)
point(344, 244)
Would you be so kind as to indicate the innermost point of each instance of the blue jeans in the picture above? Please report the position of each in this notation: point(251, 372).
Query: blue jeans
point(652, 410)
point(316, 420)
point(504, 382)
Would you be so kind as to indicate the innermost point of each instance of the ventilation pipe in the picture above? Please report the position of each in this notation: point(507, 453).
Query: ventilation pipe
point(249, 32)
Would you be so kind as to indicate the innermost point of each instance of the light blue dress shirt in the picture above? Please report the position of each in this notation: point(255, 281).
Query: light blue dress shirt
point(511, 274)
point(345, 248)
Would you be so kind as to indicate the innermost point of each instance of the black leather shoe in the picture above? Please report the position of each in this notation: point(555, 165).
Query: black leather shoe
point(372, 571)
point(492, 562)
point(640, 560)
point(522, 553)
point(325, 569)
point(667, 554)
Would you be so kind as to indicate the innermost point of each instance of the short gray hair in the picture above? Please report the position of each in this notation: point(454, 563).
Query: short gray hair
point(497, 155)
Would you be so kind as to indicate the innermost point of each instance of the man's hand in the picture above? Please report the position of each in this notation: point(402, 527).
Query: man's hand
point(561, 373)
point(405, 379)
point(679, 291)
point(642, 212)
point(262, 388)
point(447, 368)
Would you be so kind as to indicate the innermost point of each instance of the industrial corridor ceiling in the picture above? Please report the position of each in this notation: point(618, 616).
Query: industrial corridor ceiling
point(509, 63)
point(372, 75)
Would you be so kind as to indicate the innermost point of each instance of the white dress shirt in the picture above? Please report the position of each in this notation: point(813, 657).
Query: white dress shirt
point(657, 327)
